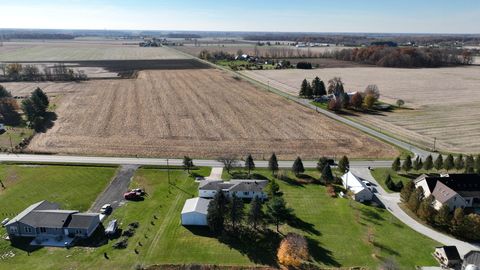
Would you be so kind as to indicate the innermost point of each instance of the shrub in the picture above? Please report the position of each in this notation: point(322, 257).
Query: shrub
point(304, 65)
point(293, 250)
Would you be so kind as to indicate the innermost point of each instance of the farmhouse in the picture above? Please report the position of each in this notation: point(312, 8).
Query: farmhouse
point(361, 192)
point(48, 225)
point(454, 190)
point(194, 212)
point(245, 189)
point(471, 260)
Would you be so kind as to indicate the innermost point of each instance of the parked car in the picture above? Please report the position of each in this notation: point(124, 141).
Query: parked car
point(106, 209)
point(199, 178)
point(139, 191)
point(368, 184)
point(112, 227)
point(131, 195)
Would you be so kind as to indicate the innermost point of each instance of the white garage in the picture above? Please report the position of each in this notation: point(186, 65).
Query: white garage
point(194, 212)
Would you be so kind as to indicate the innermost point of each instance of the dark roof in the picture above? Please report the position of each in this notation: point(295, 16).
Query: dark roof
point(235, 185)
point(82, 220)
point(457, 182)
point(442, 193)
point(451, 252)
point(47, 218)
point(472, 257)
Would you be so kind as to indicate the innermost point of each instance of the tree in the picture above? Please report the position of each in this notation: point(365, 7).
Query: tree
point(235, 210)
point(344, 164)
point(35, 108)
point(229, 162)
point(334, 105)
point(305, 89)
point(399, 186)
point(415, 199)
point(459, 162)
point(322, 162)
point(278, 211)
point(477, 164)
point(293, 251)
point(40, 99)
point(335, 86)
point(4, 93)
point(216, 212)
point(426, 211)
point(438, 164)
point(372, 90)
point(356, 101)
point(407, 191)
point(458, 222)
point(273, 164)
point(187, 163)
point(272, 188)
point(249, 164)
point(297, 167)
point(389, 183)
point(318, 87)
point(443, 217)
point(428, 164)
point(13, 71)
point(369, 101)
point(407, 164)
point(400, 102)
point(417, 164)
point(469, 164)
point(327, 175)
point(448, 164)
point(255, 213)
point(396, 164)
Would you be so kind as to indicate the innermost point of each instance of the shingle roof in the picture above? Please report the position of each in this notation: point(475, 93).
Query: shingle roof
point(47, 218)
point(236, 185)
point(457, 182)
point(472, 257)
point(199, 205)
point(442, 193)
point(82, 220)
point(42, 205)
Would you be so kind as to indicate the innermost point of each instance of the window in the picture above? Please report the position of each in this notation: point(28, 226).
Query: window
point(43, 229)
point(13, 229)
point(246, 193)
point(28, 229)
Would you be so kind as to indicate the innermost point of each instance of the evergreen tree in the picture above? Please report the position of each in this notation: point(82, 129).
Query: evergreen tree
point(249, 164)
point(389, 183)
point(428, 164)
point(407, 191)
point(322, 162)
point(407, 164)
point(318, 87)
point(297, 167)
point(303, 88)
point(273, 164)
point(216, 212)
point(278, 211)
point(344, 164)
point(448, 164)
point(272, 188)
point(399, 186)
point(477, 164)
point(40, 100)
point(235, 210)
point(417, 164)
point(458, 222)
point(187, 164)
point(469, 164)
point(443, 217)
point(415, 199)
point(459, 162)
point(426, 211)
point(309, 93)
point(255, 214)
point(396, 164)
point(438, 164)
point(327, 174)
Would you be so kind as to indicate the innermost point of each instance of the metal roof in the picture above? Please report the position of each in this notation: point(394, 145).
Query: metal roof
point(198, 205)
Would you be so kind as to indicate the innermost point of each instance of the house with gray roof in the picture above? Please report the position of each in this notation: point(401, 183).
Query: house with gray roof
point(471, 260)
point(454, 190)
point(194, 212)
point(47, 224)
point(245, 189)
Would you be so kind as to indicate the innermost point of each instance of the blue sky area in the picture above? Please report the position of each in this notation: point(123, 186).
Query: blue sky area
point(407, 16)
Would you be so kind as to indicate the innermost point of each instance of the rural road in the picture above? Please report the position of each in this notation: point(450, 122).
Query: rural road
point(404, 145)
point(113, 194)
point(391, 201)
point(162, 161)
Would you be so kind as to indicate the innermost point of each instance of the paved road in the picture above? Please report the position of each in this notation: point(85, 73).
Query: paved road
point(391, 200)
point(113, 194)
point(163, 161)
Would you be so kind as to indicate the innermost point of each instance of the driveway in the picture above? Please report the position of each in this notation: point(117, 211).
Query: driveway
point(113, 194)
point(215, 174)
point(391, 201)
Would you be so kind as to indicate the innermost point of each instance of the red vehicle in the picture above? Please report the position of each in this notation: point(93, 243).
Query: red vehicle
point(131, 195)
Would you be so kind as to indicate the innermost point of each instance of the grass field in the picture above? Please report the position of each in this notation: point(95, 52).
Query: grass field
point(80, 50)
point(380, 174)
point(441, 103)
point(13, 136)
point(201, 113)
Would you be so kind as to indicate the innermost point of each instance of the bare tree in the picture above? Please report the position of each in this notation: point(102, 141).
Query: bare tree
point(372, 90)
point(229, 162)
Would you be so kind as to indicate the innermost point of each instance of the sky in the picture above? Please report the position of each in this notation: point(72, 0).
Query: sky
point(372, 16)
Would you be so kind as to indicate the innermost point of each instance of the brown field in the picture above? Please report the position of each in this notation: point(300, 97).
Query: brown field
point(201, 113)
point(444, 103)
point(74, 50)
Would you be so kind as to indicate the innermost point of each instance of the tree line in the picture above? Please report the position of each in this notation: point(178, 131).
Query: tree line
point(468, 164)
point(410, 57)
point(29, 72)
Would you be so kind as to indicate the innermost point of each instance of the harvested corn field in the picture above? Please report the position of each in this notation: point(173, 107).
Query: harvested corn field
point(201, 113)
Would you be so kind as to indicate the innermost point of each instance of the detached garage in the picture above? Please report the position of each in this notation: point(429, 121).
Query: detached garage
point(194, 212)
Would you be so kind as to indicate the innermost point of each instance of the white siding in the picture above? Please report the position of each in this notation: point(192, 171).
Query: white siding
point(424, 185)
point(194, 219)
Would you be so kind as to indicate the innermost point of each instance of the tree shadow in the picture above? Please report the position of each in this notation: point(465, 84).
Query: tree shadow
point(290, 181)
point(48, 122)
point(321, 254)
point(97, 239)
point(298, 223)
point(371, 216)
point(386, 249)
point(244, 175)
point(23, 243)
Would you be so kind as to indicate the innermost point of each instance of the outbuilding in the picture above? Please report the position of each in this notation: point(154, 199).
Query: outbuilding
point(194, 212)
point(357, 186)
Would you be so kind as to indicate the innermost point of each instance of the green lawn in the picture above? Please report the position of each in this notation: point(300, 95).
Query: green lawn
point(380, 174)
point(16, 134)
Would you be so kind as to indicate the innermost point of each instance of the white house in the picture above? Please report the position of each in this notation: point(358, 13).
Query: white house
point(361, 192)
point(245, 189)
point(194, 212)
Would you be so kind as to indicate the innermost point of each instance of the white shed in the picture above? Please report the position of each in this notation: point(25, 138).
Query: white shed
point(194, 212)
point(361, 192)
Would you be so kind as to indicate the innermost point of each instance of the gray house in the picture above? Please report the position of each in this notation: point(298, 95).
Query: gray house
point(50, 226)
point(245, 189)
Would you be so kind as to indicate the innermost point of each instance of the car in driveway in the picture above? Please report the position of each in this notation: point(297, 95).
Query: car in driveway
point(131, 195)
point(368, 184)
point(106, 209)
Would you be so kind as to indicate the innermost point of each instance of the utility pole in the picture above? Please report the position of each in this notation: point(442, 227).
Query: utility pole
point(11, 144)
point(168, 172)
point(434, 143)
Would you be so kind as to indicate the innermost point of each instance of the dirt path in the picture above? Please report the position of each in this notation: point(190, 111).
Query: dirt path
point(113, 194)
